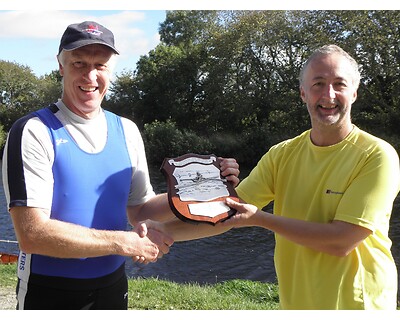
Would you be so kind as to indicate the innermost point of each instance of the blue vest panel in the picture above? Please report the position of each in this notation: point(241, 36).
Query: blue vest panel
point(89, 190)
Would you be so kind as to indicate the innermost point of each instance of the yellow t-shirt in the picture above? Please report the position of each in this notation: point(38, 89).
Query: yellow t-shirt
point(355, 181)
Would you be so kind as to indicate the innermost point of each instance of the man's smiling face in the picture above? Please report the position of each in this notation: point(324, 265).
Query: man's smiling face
point(328, 89)
point(86, 77)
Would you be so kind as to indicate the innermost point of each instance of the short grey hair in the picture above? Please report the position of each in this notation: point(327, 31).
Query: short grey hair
point(332, 49)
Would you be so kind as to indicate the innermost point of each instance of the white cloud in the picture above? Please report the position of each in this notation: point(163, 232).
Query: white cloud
point(130, 36)
point(35, 24)
point(129, 39)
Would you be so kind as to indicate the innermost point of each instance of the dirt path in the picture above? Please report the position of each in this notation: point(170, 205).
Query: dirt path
point(7, 298)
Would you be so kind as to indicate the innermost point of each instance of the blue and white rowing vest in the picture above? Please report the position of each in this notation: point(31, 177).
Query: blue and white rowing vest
point(89, 190)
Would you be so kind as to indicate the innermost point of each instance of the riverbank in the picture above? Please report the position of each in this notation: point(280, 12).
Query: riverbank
point(156, 294)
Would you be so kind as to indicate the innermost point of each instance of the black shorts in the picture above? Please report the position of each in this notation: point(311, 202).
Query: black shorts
point(77, 294)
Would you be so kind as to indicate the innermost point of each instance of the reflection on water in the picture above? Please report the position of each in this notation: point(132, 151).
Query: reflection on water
point(238, 254)
point(245, 253)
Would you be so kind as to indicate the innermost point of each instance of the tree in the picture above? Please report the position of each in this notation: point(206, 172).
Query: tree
point(22, 92)
point(50, 89)
point(232, 76)
point(375, 37)
point(19, 89)
point(124, 96)
point(189, 28)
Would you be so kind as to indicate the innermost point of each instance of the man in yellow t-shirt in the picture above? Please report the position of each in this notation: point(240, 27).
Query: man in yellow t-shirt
point(333, 189)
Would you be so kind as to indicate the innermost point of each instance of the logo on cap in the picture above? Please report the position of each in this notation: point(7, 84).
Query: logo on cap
point(93, 29)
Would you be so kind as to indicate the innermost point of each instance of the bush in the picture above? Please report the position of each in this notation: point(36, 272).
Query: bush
point(165, 140)
point(253, 144)
point(3, 138)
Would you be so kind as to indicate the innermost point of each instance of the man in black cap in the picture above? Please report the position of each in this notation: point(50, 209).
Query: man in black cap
point(74, 176)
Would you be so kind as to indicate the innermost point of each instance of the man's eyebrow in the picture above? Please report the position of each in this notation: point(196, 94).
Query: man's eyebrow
point(324, 78)
point(76, 55)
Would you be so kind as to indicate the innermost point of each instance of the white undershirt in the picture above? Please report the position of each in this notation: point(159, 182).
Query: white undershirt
point(89, 134)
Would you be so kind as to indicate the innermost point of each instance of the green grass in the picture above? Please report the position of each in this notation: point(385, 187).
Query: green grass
point(8, 275)
point(155, 294)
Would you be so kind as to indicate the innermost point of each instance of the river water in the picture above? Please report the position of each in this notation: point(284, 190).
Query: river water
point(245, 253)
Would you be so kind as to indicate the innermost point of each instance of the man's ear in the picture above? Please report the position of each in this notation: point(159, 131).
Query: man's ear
point(60, 69)
point(302, 94)
point(354, 96)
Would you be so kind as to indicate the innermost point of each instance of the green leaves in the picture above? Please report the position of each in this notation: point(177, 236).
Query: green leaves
point(231, 73)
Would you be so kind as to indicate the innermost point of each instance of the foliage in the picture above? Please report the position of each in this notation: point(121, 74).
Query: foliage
point(3, 136)
point(123, 94)
point(164, 139)
point(21, 91)
point(50, 89)
point(227, 81)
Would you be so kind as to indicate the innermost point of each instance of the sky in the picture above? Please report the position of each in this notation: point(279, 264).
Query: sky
point(30, 31)
point(32, 38)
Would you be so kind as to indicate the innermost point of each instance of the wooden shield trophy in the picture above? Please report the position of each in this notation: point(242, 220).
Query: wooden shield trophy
point(196, 189)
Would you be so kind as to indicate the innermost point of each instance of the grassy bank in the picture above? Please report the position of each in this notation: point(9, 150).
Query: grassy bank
point(155, 294)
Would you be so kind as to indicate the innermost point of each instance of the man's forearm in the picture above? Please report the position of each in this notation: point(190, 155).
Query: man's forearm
point(38, 234)
point(156, 209)
point(184, 231)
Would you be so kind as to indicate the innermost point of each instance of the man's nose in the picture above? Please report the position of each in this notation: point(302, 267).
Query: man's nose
point(91, 74)
point(330, 91)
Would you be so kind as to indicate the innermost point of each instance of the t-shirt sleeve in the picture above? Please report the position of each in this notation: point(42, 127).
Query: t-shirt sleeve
point(141, 188)
point(27, 165)
point(369, 198)
point(257, 188)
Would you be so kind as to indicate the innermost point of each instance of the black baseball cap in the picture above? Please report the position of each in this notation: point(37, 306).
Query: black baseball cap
point(82, 34)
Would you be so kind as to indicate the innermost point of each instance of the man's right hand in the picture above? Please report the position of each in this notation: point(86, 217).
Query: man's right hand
point(159, 240)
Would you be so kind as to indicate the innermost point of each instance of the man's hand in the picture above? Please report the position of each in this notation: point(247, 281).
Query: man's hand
point(149, 231)
point(230, 170)
point(244, 215)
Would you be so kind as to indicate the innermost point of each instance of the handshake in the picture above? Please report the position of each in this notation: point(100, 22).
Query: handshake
point(153, 242)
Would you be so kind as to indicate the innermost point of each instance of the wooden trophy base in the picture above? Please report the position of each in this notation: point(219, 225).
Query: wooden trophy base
point(196, 189)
